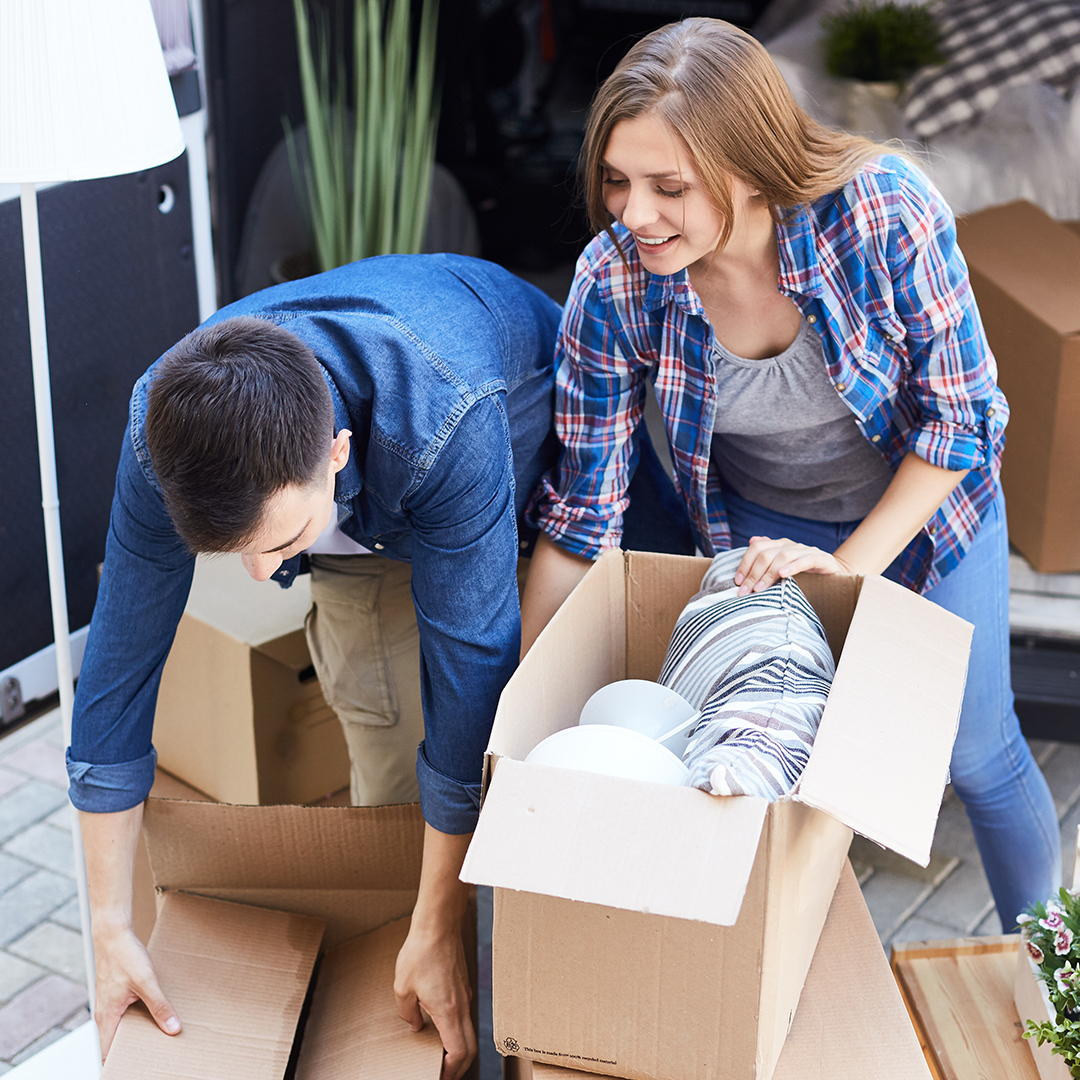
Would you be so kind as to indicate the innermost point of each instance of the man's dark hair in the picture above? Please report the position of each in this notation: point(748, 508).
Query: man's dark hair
point(237, 411)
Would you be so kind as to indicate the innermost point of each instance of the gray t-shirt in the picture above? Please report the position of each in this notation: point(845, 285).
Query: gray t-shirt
point(785, 439)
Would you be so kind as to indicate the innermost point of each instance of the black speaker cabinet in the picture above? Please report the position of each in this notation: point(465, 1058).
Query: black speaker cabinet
point(119, 290)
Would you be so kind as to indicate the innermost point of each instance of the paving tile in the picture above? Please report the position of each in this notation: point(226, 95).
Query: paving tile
point(919, 929)
point(45, 726)
point(77, 1019)
point(1062, 772)
point(1069, 825)
point(12, 871)
point(16, 974)
point(960, 901)
point(31, 1014)
point(68, 915)
point(9, 780)
point(33, 899)
point(45, 846)
point(52, 1035)
point(991, 924)
point(892, 899)
point(27, 805)
point(60, 819)
point(40, 760)
point(54, 734)
point(53, 947)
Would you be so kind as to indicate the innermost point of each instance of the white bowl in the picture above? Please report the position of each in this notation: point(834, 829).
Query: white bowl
point(612, 751)
point(644, 706)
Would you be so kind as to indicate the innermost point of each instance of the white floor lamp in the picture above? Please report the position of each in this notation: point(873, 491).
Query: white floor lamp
point(83, 94)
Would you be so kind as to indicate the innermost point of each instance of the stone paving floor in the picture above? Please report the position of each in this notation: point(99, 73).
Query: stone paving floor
point(42, 985)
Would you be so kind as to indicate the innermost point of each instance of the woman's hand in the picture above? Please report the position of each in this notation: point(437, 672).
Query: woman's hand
point(767, 561)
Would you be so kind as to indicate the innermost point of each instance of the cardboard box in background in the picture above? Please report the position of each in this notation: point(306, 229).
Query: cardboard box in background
point(851, 1023)
point(1025, 271)
point(247, 896)
point(648, 931)
point(240, 715)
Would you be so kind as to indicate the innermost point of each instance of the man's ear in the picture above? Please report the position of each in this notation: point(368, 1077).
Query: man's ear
point(339, 452)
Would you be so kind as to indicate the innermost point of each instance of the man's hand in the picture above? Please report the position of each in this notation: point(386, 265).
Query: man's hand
point(767, 561)
point(431, 971)
point(431, 974)
point(124, 974)
point(123, 971)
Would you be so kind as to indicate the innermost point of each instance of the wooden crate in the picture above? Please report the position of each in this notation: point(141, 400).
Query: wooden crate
point(960, 997)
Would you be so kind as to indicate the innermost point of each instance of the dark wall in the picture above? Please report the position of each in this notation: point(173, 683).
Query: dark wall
point(119, 290)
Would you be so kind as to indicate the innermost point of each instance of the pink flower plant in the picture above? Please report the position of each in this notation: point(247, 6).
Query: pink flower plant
point(1053, 920)
point(1066, 979)
point(1035, 952)
point(1063, 940)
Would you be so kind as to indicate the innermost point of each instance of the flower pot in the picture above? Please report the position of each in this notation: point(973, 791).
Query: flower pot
point(1033, 1003)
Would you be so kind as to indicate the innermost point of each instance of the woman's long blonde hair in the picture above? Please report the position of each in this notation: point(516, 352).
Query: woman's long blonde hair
point(720, 92)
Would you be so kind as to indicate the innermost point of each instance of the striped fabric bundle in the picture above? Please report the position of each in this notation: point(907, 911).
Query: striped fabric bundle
point(989, 45)
point(759, 668)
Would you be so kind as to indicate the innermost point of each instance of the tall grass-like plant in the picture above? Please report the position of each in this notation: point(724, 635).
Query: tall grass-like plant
point(366, 181)
point(877, 41)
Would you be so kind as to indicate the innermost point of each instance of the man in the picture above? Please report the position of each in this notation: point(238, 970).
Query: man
point(406, 400)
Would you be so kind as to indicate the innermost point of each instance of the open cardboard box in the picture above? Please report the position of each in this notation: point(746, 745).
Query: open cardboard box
point(851, 1023)
point(249, 899)
point(660, 933)
point(1025, 272)
point(240, 714)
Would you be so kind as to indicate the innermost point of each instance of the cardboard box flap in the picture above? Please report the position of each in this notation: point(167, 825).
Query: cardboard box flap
point(881, 757)
point(581, 649)
point(581, 836)
point(1029, 255)
point(237, 977)
point(225, 596)
point(193, 844)
point(354, 1031)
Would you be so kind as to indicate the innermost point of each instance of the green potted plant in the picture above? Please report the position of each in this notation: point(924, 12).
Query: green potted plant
point(882, 44)
point(365, 180)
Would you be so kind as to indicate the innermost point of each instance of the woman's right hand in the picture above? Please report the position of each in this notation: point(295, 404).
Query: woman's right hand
point(767, 561)
point(124, 974)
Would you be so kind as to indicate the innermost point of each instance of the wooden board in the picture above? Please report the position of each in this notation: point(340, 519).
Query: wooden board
point(960, 997)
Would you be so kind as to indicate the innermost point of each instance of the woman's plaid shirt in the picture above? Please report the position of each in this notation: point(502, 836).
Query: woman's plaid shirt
point(874, 267)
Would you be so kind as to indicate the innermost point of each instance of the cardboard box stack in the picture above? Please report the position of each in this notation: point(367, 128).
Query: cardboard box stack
point(240, 715)
point(660, 933)
point(1025, 271)
point(851, 1023)
point(249, 898)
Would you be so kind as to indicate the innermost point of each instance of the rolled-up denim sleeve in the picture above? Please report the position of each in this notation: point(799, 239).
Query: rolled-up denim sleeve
point(464, 584)
point(144, 587)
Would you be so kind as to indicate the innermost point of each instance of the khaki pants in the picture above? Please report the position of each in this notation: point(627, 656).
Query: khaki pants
point(364, 643)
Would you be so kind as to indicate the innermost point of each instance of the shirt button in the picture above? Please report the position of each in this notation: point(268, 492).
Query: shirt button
point(841, 386)
point(523, 544)
point(991, 411)
point(378, 547)
point(811, 319)
point(875, 438)
point(932, 529)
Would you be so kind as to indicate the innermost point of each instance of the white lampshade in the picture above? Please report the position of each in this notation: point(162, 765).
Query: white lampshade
point(83, 91)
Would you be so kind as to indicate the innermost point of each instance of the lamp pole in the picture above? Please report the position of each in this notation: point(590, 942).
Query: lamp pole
point(54, 549)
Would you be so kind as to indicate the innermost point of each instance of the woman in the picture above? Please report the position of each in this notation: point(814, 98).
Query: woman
point(798, 299)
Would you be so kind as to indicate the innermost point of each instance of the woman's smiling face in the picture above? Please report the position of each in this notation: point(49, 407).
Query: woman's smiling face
point(651, 186)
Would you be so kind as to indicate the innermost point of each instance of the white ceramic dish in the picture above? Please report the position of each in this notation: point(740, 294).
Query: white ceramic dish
point(612, 751)
point(647, 707)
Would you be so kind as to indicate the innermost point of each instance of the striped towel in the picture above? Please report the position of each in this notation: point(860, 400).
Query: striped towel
point(759, 668)
point(989, 45)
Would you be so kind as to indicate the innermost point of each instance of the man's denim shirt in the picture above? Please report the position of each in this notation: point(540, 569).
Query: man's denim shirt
point(441, 366)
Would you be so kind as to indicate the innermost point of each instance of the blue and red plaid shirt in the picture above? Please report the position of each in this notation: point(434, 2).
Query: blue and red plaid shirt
point(874, 267)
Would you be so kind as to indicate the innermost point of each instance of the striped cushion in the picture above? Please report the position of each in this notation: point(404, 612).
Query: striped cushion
point(759, 669)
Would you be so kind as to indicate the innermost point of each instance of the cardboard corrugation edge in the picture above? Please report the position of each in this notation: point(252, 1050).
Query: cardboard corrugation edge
point(248, 846)
point(900, 662)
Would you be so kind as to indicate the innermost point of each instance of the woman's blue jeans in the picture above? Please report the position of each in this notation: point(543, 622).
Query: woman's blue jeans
point(1004, 792)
